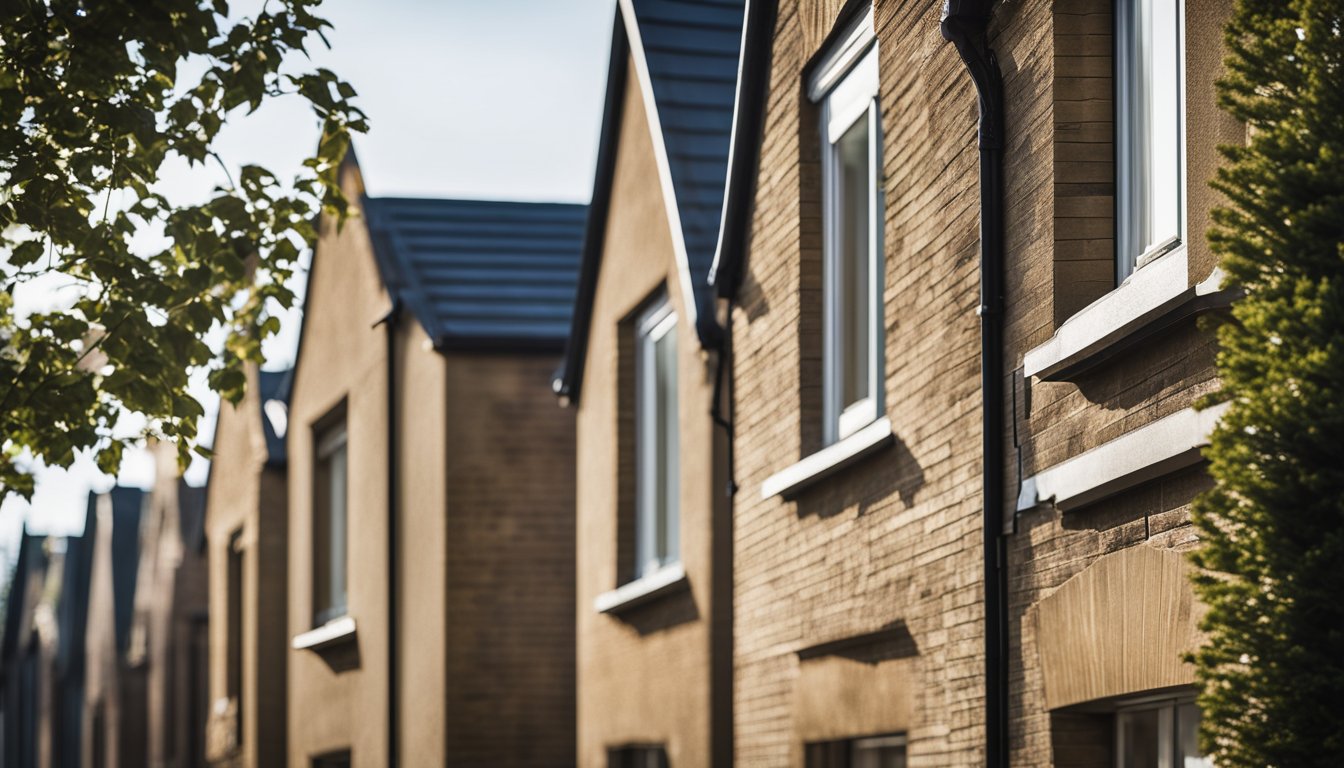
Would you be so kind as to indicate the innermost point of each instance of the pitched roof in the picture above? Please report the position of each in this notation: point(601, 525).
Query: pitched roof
point(686, 60)
point(30, 565)
point(274, 386)
point(72, 612)
point(686, 54)
point(480, 274)
point(126, 506)
point(191, 515)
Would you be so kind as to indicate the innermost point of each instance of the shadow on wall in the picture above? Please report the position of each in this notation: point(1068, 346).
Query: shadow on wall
point(861, 484)
point(664, 613)
point(892, 641)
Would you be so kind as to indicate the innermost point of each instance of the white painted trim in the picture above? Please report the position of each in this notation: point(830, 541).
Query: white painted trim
point(667, 579)
point(842, 56)
point(829, 460)
point(1144, 296)
point(1165, 446)
point(329, 634)
point(660, 155)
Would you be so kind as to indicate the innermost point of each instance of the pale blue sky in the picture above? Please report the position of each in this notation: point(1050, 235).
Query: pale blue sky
point(498, 100)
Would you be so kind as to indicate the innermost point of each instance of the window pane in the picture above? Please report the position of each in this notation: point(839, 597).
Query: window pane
point(1140, 735)
point(1187, 730)
point(657, 442)
point(854, 188)
point(1151, 133)
point(330, 526)
point(338, 531)
point(879, 757)
point(668, 430)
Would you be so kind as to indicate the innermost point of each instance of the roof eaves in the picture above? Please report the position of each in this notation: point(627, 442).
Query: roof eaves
point(568, 380)
point(753, 80)
point(697, 302)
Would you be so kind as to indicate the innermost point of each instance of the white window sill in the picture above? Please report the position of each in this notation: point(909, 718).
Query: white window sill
point(790, 481)
point(1165, 446)
point(334, 632)
point(665, 580)
point(1156, 295)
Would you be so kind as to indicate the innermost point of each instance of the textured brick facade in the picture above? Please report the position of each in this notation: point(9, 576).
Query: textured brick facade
point(484, 474)
point(655, 674)
point(893, 542)
point(883, 558)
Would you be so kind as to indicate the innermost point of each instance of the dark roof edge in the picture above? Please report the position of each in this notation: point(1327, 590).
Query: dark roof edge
point(568, 380)
point(753, 80)
point(504, 345)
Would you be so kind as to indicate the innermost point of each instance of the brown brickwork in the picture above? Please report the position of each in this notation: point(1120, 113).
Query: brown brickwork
point(510, 640)
point(656, 673)
point(893, 541)
point(892, 544)
point(485, 566)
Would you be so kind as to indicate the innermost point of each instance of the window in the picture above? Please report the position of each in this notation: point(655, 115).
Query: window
point(845, 86)
point(333, 760)
point(234, 620)
point(329, 523)
point(640, 756)
point(657, 441)
point(1158, 734)
point(1149, 133)
point(869, 752)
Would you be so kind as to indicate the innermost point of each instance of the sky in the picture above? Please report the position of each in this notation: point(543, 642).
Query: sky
point(490, 100)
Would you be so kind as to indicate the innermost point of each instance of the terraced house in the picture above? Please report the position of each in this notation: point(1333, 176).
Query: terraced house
point(930, 566)
point(654, 530)
point(430, 478)
point(247, 534)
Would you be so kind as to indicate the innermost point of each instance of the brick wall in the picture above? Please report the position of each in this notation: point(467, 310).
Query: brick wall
point(510, 564)
point(892, 542)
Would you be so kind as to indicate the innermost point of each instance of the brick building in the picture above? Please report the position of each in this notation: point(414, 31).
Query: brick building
point(247, 534)
point(654, 544)
point(422, 436)
point(859, 527)
point(170, 622)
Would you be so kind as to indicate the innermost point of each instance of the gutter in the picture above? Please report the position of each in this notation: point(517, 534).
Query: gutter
point(389, 322)
point(965, 24)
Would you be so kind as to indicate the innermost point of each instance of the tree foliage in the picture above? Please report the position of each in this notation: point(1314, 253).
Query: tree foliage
point(1272, 560)
point(95, 98)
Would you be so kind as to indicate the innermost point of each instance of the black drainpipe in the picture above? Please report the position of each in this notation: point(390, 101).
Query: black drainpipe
point(965, 23)
point(390, 324)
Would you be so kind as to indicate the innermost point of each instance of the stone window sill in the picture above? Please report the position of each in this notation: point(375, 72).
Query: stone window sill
point(1157, 295)
point(666, 580)
point(338, 631)
point(1167, 445)
point(791, 481)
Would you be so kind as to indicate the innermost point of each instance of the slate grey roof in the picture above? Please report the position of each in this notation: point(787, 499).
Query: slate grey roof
point(274, 385)
point(72, 611)
point(480, 274)
point(126, 508)
point(691, 48)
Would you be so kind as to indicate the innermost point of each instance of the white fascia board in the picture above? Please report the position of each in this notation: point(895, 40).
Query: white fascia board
point(788, 482)
point(642, 590)
point(660, 155)
point(1165, 446)
point(334, 631)
point(1145, 296)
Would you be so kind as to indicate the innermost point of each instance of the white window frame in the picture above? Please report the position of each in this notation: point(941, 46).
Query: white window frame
point(330, 440)
point(657, 531)
point(1132, 105)
point(845, 85)
point(1168, 728)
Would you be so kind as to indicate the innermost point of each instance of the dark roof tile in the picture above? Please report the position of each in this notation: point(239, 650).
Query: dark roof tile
point(481, 273)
